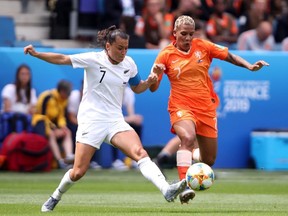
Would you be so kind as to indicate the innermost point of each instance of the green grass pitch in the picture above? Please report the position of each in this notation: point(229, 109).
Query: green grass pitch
point(109, 192)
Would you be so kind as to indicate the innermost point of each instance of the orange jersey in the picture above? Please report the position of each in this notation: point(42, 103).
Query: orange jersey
point(191, 86)
point(192, 95)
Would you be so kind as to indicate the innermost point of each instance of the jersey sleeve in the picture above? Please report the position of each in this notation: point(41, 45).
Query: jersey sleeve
point(133, 67)
point(82, 60)
point(217, 51)
point(161, 59)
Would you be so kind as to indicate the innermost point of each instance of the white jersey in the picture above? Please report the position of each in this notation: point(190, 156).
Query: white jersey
point(103, 87)
point(9, 92)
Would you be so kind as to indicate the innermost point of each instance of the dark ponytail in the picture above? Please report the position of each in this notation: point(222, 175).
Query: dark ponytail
point(109, 36)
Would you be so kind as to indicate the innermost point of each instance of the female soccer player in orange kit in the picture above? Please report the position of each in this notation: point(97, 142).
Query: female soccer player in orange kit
point(193, 102)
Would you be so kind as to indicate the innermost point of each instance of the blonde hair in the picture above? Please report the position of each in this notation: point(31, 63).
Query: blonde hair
point(183, 20)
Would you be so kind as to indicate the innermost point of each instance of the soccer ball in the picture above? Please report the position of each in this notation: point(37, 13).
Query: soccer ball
point(200, 176)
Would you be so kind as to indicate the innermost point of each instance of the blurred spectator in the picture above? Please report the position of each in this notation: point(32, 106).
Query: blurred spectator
point(127, 24)
point(50, 117)
point(132, 7)
point(284, 44)
point(114, 9)
point(165, 156)
point(72, 111)
point(237, 7)
point(207, 9)
point(185, 7)
point(59, 18)
point(222, 27)
point(260, 38)
point(118, 160)
point(151, 24)
point(170, 5)
point(24, 6)
point(20, 96)
point(277, 8)
point(113, 12)
point(256, 13)
point(281, 24)
point(73, 105)
point(200, 30)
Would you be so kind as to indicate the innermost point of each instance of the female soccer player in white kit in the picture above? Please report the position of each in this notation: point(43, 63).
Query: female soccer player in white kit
point(100, 117)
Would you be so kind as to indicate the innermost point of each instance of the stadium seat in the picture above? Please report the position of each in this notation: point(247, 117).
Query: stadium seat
point(8, 35)
point(7, 31)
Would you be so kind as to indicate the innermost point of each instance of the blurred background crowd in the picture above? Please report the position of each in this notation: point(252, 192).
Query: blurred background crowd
point(238, 24)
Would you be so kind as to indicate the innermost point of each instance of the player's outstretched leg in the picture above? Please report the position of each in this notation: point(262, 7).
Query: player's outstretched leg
point(187, 195)
point(53, 200)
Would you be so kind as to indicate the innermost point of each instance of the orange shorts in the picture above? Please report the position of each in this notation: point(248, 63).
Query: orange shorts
point(206, 122)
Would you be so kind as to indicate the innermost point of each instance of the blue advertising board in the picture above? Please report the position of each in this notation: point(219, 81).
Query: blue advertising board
point(249, 100)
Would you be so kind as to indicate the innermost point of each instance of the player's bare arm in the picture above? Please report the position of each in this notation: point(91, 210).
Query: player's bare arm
point(144, 85)
point(237, 60)
point(54, 58)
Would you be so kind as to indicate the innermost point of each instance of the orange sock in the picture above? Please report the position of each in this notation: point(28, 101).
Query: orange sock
point(182, 171)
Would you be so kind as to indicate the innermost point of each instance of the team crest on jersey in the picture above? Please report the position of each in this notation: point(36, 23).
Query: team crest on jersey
point(198, 54)
point(179, 114)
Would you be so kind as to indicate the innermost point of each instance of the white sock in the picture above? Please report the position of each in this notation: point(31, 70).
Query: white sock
point(151, 172)
point(184, 158)
point(64, 185)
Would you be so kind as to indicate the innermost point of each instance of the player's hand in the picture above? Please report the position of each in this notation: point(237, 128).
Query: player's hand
point(258, 65)
point(158, 69)
point(152, 78)
point(30, 50)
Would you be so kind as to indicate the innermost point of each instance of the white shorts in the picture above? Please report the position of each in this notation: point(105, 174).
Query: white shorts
point(96, 133)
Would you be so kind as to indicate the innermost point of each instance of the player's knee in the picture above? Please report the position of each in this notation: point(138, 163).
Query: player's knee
point(77, 174)
point(140, 153)
point(188, 140)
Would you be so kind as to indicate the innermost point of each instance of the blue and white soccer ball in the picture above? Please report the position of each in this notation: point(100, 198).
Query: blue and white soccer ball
point(200, 176)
